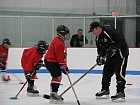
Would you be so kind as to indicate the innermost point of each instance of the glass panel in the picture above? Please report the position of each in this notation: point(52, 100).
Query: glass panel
point(10, 27)
point(27, 31)
point(35, 29)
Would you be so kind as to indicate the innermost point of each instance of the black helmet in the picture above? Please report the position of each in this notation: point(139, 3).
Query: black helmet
point(6, 41)
point(63, 32)
point(42, 46)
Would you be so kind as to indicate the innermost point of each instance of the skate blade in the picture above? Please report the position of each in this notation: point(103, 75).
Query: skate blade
point(33, 94)
point(118, 99)
point(102, 97)
point(51, 101)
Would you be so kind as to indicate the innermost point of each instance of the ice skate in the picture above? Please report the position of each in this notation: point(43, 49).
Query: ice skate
point(103, 94)
point(4, 79)
point(55, 99)
point(32, 92)
point(118, 97)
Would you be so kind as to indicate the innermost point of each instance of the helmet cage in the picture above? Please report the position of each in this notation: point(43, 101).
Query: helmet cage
point(65, 37)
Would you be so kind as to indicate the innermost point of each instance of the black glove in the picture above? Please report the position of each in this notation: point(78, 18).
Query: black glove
point(112, 51)
point(100, 60)
point(28, 76)
point(39, 65)
point(2, 66)
point(64, 68)
point(1, 58)
point(65, 55)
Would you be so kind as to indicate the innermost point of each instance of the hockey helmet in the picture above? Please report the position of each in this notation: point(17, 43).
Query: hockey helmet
point(63, 32)
point(6, 41)
point(42, 46)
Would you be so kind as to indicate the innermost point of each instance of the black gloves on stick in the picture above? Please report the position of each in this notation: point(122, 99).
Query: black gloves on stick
point(39, 65)
point(28, 76)
point(100, 60)
point(64, 68)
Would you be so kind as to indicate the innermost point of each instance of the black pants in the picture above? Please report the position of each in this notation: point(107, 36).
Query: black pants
point(116, 65)
point(54, 69)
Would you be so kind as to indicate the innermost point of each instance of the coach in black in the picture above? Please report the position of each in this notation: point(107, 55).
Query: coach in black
point(112, 46)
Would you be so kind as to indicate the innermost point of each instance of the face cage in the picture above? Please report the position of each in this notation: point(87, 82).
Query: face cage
point(6, 45)
point(41, 51)
point(65, 37)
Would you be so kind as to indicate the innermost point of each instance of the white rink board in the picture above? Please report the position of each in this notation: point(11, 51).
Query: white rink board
point(77, 58)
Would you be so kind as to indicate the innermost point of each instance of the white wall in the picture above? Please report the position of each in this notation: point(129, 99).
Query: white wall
point(77, 58)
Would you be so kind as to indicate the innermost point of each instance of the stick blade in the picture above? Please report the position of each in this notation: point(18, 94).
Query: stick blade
point(78, 102)
point(13, 98)
point(21, 83)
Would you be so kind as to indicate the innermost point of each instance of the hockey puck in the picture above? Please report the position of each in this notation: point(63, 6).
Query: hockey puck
point(128, 84)
point(46, 96)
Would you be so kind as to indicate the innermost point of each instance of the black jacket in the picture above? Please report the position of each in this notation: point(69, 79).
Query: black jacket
point(108, 37)
point(77, 42)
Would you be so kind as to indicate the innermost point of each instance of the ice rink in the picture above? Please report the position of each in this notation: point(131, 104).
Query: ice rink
point(85, 90)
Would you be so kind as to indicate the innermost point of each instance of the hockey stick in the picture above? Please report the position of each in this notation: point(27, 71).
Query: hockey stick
point(14, 75)
point(14, 98)
point(21, 82)
point(78, 79)
point(73, 89)
point(48, 96)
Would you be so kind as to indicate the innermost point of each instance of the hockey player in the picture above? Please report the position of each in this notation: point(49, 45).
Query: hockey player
point(30, 62)
point(111, 43)
point(3, 56)
point(55, 61)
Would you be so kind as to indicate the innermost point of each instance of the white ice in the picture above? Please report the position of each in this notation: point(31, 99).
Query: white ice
point(85, 90)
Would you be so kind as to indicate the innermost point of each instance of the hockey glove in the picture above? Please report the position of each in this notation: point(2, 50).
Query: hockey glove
point(1, 58)
point(39, 65)
point(2, 66)
point(112, 51)
point(28, 76)
point(65, 56)
point(64, 68)
point(100, 60)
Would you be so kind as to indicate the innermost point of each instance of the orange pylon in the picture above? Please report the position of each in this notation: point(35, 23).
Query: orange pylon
point(35, 76)
point(8, 77)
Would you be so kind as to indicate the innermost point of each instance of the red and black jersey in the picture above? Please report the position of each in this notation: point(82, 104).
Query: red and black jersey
point(29, 59)
point(56, 51)
point(3, 54)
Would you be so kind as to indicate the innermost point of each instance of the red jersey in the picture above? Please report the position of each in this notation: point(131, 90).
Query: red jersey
point(56, 51)
point(3, 54)
point(29, 59)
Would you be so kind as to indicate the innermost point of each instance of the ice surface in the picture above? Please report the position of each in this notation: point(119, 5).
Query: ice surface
point(85, 90)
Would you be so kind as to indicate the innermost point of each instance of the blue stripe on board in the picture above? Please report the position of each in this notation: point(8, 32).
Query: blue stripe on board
point(131, 72)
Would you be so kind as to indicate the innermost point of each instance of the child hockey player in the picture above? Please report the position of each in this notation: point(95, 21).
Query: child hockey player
point(30, 62)
point(55, 61)
point(3, 57)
